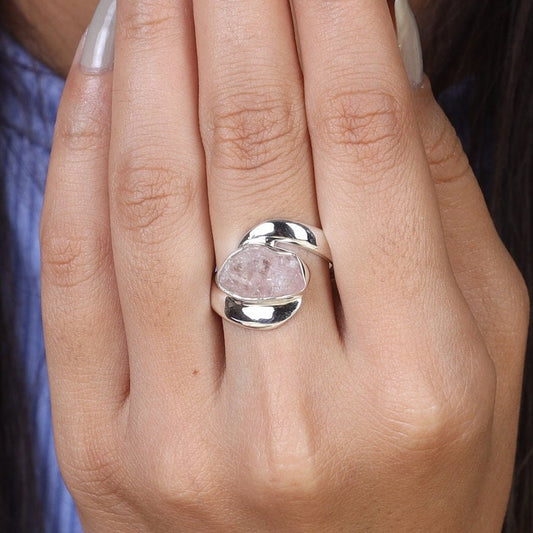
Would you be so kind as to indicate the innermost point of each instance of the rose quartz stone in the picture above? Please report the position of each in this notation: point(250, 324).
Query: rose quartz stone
point(257, 271)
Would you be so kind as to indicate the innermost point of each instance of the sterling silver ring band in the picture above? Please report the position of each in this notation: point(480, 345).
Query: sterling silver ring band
point(261, 284)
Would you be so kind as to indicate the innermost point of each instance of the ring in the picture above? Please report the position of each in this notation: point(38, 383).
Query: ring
point(260, 285)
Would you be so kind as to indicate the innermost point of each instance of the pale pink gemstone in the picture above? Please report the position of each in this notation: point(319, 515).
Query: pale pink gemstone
point(257, 271)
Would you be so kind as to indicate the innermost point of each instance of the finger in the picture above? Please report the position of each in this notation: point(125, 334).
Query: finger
point(255, 136)
point(376, 198)
point(159, 217)
point(485, 272)
point(85, 342)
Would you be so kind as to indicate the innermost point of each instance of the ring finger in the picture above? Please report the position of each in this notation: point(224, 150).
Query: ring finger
point(258, 157)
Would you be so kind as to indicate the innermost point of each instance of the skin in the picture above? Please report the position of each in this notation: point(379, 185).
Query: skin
point(401, 416)
point(59, 25)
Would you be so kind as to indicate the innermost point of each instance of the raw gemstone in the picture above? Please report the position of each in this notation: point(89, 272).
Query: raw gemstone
point(258, 271)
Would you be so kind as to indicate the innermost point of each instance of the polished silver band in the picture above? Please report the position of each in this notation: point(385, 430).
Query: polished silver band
point(261, 284)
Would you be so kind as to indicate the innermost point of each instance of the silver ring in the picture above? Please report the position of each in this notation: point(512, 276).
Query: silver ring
point(261, 284)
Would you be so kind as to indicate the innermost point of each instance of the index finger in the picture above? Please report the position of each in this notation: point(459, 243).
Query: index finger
point(376, 198)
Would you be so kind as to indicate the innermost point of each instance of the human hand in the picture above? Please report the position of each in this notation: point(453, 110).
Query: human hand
point(394, 409)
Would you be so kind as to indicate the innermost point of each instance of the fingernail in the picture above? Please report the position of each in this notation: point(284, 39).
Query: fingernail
point(99, 47)
point(409, 42)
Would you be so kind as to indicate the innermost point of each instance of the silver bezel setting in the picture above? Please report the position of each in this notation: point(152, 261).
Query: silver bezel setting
point(282, 236)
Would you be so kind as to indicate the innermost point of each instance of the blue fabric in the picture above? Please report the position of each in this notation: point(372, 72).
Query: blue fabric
point(28, 108)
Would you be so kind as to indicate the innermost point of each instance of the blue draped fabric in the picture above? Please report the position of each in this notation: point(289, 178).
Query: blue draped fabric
point(28, 107)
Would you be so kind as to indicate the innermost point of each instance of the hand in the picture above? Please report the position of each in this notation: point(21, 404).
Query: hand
point(394, 409)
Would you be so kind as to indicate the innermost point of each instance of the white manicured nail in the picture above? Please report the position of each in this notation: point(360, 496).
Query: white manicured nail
point(409, 42)
point(99, 47)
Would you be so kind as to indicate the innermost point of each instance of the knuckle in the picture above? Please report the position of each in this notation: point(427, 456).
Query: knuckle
point(148, 21)
point(285, 480)
point(446, 157)
point(193, 485)
point(89, 463)
point(80, 132)
point(151, 196)
point(72, 256)
point(287, 470)
point(83, 117)
point(181, 475)
point(250, 133)
point(432, 422)
point(428, 428)
point(364, 123)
